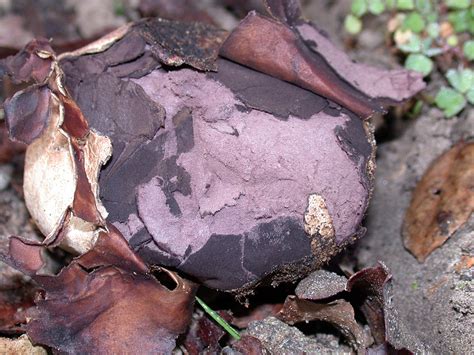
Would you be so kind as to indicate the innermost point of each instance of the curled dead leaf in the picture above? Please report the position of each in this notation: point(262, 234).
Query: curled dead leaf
point(338, 313)
point(250, 345)
point(63, 153)
point(106, 301)
point(369, 288)
point(442, 201)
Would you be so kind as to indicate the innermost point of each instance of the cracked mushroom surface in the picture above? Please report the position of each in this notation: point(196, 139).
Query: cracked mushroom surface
point(221, 191)
point(222, 169)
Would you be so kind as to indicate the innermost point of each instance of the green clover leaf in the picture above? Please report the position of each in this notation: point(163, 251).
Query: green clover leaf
point(462, 80)
point(450, 101)
point(458, 4)
point(468, 49)
point(359, 7)
point(376, 7)
point(352, 24)
point(414, 21)
point(420, 63)
point(405, 4)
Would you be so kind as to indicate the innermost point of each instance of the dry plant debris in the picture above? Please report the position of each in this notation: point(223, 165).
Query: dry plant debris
point(366, 291)
point(105, 301)
point(442, 201)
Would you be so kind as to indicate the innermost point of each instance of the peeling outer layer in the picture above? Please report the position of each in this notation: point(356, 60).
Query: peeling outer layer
point(63, 155)
point(30, 64)
point(388, 87)
point(176, 43)
point(105, 301)
point(273, 48)
point(166, 183)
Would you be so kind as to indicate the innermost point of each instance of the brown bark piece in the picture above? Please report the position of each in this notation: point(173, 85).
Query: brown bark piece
point(177, 43)
point(442, 201)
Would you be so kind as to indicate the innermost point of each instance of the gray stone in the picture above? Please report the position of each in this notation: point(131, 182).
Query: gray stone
point(280, 338)
point(320, 284)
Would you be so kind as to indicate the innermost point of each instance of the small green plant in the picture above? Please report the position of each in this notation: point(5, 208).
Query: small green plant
point(119, 8)
point(432, 35)
point(218, 319)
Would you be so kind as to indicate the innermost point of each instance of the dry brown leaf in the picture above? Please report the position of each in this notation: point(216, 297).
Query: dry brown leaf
point(369, 289)
point(339, 313)
point(250, 345)
point(442, 201)
point(63, 153)
point(106, 301)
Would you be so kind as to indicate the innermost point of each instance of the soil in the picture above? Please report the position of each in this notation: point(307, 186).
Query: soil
point(432, 308)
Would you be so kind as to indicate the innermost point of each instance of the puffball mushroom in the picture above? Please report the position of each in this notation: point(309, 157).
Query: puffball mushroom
point(236, 157)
